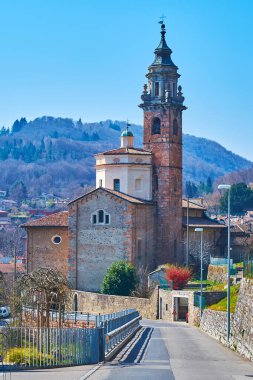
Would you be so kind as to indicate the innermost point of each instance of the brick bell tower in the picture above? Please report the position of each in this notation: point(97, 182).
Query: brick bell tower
point(162, 104)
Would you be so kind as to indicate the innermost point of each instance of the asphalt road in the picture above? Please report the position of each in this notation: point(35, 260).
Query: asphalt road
point(159, 351)
point(168, 351)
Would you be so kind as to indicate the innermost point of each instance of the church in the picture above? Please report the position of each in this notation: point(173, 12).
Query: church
point(135, 213)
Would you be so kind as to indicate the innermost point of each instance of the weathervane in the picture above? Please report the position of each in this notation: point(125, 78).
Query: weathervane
point(162, 19)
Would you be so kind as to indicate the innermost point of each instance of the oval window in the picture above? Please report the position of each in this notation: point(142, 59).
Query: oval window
point(56, 239)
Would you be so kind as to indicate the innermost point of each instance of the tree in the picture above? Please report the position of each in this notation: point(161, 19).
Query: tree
point(241, 199)
point(18, 125)
point(120, 279)
point(48, 285)
point(209, 185)
point(18, 192)
point(191, 189)
point(178, 275)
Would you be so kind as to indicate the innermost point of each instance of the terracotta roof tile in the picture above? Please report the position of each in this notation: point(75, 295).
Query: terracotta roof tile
point(192, 205)
point(59, 219)
point(9, 268)
point(125, 151)
point(203, 222)
point(118, 194)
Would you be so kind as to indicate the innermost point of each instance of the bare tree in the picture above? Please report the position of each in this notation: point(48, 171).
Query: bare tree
point(212, 203)
point(142, 289)
point(195, 252)
point(44, 285)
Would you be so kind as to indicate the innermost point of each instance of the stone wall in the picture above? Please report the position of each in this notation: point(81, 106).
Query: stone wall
point(42, 252)
point(243, 320)
point(166, 305)
point(217, 273)
point(94, 247)
point(104, 304)
point(214, 323)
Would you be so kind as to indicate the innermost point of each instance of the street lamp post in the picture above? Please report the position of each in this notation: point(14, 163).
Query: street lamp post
point(201, 268)
point(228, 187)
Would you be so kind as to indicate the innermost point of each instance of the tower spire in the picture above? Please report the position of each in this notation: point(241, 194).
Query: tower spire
point(163, 52)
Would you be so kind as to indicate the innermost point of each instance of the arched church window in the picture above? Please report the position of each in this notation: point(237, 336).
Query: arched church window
point(116, 184)
point(156, 128)
point(174, 89)
point(75, 303)
point(100, 217)
point(156, 88)
point(175, 127)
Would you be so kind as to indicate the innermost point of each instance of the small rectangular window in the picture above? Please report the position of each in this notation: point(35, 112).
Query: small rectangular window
point(116, 184)
point(107, 219)
point(138, 184)
point(155, 182)
point(100, 183)
point(139, 248)
point(167, 308)
point(94, 219)
point(156, 88)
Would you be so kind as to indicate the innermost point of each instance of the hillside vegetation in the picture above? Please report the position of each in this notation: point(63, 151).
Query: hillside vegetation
point(56, 155)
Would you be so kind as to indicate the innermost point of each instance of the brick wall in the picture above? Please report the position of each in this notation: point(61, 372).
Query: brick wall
point(166, 148)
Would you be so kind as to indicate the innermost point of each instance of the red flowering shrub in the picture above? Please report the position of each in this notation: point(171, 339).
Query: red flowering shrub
point(179, 276)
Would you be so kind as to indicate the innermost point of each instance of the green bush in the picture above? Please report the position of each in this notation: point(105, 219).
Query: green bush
point(120, 279)
point(26, 356)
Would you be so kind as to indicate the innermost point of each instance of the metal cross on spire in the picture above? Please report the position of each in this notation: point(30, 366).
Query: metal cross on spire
point(127, 124)
point(162, 19)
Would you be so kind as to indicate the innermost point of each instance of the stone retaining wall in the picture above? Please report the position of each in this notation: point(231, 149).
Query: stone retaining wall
point(96, 303)
point(214, 323)
point(217, 273)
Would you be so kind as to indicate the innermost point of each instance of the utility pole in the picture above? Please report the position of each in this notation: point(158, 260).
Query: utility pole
point(187, 233)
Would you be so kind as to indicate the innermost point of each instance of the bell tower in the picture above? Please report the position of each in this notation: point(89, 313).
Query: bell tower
point(162, 104)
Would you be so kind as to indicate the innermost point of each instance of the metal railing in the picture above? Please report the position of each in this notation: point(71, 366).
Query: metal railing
point(48, 347)
point(248, 268)
point(118, 335)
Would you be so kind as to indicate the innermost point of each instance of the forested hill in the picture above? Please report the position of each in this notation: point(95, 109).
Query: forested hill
point(56, 155)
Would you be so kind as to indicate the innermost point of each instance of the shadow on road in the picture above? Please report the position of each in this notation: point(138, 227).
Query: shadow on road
point(135, 351)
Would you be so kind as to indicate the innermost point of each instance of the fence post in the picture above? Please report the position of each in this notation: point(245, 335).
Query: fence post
point(101, 343)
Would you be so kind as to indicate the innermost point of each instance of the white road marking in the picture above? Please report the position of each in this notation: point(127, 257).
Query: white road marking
point(90, 372)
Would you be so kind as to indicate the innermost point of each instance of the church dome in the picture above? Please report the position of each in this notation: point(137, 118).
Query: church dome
point(127, 133)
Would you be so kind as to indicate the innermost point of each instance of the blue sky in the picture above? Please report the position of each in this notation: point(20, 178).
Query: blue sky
point(88, 59)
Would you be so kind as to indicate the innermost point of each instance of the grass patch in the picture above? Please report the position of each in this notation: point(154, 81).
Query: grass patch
point(222, 304)
point(217, 287)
